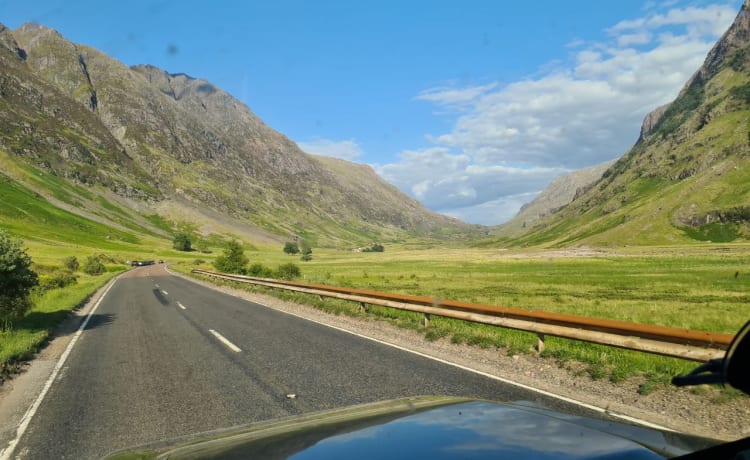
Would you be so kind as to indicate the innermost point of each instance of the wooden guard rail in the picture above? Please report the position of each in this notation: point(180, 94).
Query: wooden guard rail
point(679, 343)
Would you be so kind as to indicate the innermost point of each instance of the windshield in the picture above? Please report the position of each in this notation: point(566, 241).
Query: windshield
point(221, 214)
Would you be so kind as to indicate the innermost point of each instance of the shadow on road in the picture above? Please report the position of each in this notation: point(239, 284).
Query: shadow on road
point(160, 297)
point(100, 319)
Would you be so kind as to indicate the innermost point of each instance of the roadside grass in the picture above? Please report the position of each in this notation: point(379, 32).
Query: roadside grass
point(703, 287)
point(22, 338)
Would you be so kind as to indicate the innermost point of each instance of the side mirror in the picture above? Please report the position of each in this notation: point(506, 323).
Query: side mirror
point(736, 370)
point(733, 369)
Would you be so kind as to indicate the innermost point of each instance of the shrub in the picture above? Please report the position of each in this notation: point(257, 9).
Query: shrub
point(57, 280)
point(291, 248)
point(260, 271)
point(93, 266)
point(232, 260)
point(306, 257)
point(181, 242)
point(288, 271)
point(71, 263)
point(16, 278)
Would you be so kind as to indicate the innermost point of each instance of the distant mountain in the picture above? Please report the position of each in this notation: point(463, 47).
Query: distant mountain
point(180, 146)
point(686, 179)
point(561, 191)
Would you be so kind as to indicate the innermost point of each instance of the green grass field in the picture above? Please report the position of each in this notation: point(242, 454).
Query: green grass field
point(698, 287)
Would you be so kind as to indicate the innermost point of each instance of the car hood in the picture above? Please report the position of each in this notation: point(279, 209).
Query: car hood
point(431, 427)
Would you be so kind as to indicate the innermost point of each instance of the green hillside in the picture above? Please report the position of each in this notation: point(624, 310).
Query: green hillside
point(686, 180)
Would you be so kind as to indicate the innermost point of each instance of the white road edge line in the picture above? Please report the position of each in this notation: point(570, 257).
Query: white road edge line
point(6, 453)
point(226, 342)
point(601, 410)
point(181, 305)
point(490, 376)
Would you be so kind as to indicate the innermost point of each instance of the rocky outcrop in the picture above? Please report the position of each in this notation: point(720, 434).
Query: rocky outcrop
point(651, 120)
point(146, 133)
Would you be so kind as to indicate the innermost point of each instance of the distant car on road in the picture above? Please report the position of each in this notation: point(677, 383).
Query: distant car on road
point(140, 263)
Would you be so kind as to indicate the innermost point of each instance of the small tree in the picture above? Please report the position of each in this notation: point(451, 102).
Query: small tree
point(93, 266)
point(181, 242)
point(71, 263)
point(16, 278)
point(291, 248)
point(232, 260)
point(288, 271)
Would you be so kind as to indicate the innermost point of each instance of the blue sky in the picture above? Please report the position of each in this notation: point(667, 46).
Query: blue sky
point(470, 106)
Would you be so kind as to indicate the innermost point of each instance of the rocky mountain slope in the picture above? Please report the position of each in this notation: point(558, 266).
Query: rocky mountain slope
point(561, 191)
point(163, 142)
point(686, 179)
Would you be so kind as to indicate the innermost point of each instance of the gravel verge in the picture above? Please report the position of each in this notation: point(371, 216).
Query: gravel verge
point(702, 411)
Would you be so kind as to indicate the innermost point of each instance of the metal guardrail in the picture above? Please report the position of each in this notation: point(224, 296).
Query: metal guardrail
point(679, 343)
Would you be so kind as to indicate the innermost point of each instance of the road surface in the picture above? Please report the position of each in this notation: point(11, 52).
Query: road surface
point(164, 357)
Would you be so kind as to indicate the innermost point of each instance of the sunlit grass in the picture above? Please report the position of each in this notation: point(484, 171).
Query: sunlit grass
point(21, 339)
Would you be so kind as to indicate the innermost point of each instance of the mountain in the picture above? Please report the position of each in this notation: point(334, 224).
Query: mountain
point(561, 191)
point(686, 179)
point(177, 146)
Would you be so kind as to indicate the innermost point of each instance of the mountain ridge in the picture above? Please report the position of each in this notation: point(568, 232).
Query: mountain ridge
point(182, 138)
point(686, 178)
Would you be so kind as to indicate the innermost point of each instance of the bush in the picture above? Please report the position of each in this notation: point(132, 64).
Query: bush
point(376, 247)
point(16, 278)
point(260, 270)
point(71, 263)
point(288, 271)
point(232, 260)
point(57, 280)
point(181, 242)
point(93, 266)
point(291, 248)
point(306, 257)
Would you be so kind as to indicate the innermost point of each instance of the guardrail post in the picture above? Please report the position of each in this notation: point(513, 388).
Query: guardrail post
point(540, 343)
point(426, 320)
point(362, 307)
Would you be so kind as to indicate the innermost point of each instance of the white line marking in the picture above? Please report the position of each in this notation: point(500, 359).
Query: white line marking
point(156, 285)
point(226, 342)
point(484, 374)
point(468, 369)
point(164, 292)
point(6, 453)
point(181, 305)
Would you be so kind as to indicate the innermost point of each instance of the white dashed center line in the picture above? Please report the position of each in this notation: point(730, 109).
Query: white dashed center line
point(164, 292)
point(226, 342)
point(181, 306)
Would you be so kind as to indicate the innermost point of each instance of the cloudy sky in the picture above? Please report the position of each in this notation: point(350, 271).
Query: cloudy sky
point(470, 106)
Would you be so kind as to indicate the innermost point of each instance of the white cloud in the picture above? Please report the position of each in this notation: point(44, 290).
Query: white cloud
point(346, 150)
point(454, 96)
point(511, 140)
point(445, 181)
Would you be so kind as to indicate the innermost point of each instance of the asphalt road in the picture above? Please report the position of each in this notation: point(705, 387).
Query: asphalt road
point(148, 368)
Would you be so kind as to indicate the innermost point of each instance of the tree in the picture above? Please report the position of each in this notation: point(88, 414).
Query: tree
point(181, 242)
point(232, 260)
point(16, 278)
point(93, 266)
point(71, 263)
point(291, 248)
